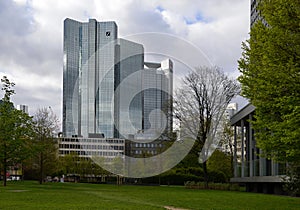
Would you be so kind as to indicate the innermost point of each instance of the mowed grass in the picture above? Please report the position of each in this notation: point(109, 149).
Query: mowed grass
point(31, 195)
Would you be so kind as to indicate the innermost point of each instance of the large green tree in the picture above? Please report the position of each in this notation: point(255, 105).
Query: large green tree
point(270, 68)
point(15, 131)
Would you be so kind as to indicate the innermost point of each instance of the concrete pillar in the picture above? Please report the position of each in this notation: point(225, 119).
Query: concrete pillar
point(255, 160)
point(262, 165)
point(243, 148)
point(274, 168)
point(250, 147)
point(234, 152)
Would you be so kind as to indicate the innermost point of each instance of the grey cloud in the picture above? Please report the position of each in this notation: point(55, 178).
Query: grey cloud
point(22, 45)
point(44, 97)
point(15, 19)
point(139, 19)
point(16, 22)
point(148, 20)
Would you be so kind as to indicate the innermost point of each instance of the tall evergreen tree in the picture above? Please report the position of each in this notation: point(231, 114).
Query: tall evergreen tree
point(270, 68)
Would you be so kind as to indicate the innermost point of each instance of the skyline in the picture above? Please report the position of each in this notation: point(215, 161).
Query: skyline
point(31, 52)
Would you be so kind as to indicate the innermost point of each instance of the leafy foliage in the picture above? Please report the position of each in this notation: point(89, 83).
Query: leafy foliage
point(45, 143)
point(271, 78)
point(292, 180)
point(15, 130)
point(220, 162)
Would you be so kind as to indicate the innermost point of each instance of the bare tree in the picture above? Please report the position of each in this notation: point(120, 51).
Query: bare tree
point(226, 141)
point(199, 105)
point(46, 127)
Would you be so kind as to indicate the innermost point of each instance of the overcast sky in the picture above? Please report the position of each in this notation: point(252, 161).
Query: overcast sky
point(31, 36)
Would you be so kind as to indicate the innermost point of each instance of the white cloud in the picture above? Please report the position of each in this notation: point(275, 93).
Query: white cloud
point(32, 34)
point(175, 21)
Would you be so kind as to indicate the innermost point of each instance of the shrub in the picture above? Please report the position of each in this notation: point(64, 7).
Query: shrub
point(212, 186)
point(217, 177)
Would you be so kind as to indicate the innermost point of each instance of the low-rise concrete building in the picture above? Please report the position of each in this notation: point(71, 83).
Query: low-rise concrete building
point(108, 148)
point(250, 167)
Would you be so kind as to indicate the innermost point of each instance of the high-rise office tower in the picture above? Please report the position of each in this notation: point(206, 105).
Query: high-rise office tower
point(95, 63)
point(158, 88)
point(254, 13)
point(96, 88)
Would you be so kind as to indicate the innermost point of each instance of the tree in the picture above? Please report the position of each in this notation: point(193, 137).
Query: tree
point(270, 67)
point(119, 166)
point(226, 141)
point(70, 163)
point(15, 130)
point(220, 162)
point(45, 129)
point(199, 105)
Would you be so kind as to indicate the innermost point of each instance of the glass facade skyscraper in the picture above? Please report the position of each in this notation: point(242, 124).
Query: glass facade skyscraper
point(158, 88)
point(254, 13)
point(101, 73)
point(89, 57)
point(128, 116)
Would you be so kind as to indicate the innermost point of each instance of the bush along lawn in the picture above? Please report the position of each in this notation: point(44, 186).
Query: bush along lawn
point(214, 186)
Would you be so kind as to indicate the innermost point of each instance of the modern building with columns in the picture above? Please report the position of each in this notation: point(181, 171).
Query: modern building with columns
point(250, 167)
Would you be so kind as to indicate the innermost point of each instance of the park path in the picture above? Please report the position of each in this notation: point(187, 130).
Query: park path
point(173, 208)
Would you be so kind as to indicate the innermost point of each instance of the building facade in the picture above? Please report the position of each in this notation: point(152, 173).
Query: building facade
point(23, 108)
point(108, 89)
point(259, 174)
point(157, 97)
point(95, 63)
point(254, 15)
point(92, 147)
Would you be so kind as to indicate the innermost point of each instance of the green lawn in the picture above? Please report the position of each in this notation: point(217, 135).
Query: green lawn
point(30, 195)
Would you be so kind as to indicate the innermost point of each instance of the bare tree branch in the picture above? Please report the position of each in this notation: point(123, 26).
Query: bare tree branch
point(199, 105)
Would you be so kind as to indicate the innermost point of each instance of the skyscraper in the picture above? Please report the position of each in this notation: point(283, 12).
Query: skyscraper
point(254, 12)
point(103, 82)
point(158, 88)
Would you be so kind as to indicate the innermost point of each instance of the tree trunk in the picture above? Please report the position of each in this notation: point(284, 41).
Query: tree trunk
point(22, 172)
point(231, 165)
point(231, 158)
point(4, 170)
point(205, 175)
point(4, 166)
point(41, 169)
